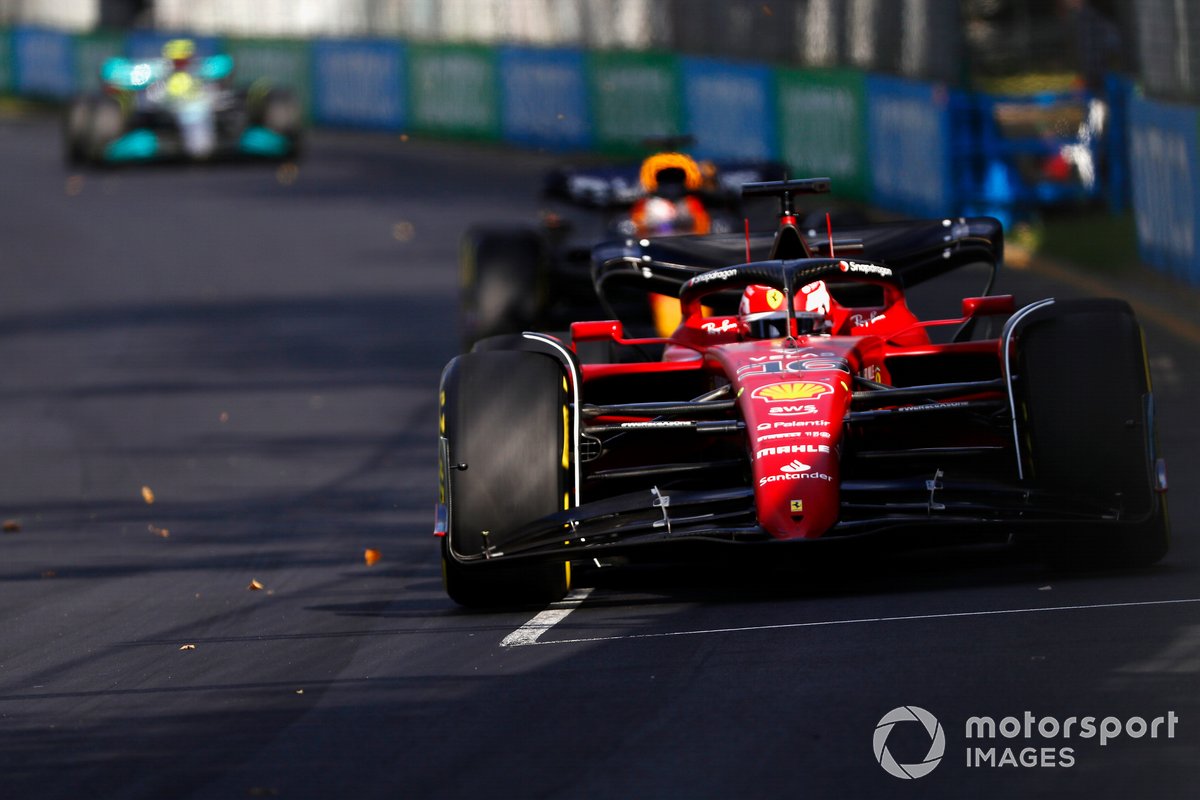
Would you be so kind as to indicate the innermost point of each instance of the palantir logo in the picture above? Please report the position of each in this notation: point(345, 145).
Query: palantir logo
point(937, 742)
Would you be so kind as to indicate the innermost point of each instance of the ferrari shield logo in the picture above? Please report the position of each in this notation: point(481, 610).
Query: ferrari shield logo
point(797, 507)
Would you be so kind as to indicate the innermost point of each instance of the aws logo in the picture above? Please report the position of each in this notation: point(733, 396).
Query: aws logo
point(792, 390)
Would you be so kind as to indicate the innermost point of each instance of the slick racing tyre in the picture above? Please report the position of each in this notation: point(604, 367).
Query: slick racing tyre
point(279, 110)
point(76, 122)
point(105, 124)
point(504, 416)
point(501, 284)
point(1088, 423)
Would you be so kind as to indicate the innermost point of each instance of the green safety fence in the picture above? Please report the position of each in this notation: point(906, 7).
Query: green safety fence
point(280, 62)
point(823, 127)
point(6, 61)
point(454, 91)
point(634, 96)
point(91, 51)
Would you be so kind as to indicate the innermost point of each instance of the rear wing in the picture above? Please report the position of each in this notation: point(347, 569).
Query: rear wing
point(609, 187)
point(915, 250)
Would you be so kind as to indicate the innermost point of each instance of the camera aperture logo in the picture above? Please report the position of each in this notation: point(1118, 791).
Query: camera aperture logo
point(937, 742)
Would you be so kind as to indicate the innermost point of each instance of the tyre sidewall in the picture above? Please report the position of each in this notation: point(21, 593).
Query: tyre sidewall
point(1087, 429)
point(504, 417)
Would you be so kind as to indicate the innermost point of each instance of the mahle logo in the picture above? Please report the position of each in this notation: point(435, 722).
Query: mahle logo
point(937, 742)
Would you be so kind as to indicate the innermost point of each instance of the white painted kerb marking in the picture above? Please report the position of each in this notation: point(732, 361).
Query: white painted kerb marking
point(545, 620)
point(512, 639)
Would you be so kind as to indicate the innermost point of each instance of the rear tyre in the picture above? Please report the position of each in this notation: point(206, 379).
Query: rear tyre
point(505, 415)
point(501, 290)
point(281, 112)
point(106, 124)
point(76, 122)
point(1088, 423)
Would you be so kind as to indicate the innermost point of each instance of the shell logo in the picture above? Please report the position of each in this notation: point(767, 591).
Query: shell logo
point(792, 390)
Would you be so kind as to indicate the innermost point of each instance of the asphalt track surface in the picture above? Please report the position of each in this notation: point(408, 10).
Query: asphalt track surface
point(260, 350)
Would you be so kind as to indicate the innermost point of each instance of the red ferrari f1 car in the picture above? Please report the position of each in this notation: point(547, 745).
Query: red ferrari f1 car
point(800, 401)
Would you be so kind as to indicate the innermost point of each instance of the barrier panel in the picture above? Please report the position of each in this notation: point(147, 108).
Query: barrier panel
point(544, 99)
point(283, 63)
point(909, 147)
point(1118, 90)
point(729, 108)
point(43, 63)
point(6, 55)
point(1165, 176)
point(634, 96)
point(822, 127)
point(452, 90)
point(359, 83)
point(91, 51)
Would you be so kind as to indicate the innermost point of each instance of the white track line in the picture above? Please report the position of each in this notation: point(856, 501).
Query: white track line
point(516, 640)
point(545, 620)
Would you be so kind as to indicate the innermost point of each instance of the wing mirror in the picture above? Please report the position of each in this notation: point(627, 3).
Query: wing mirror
point(988, 306)
point(597, 331)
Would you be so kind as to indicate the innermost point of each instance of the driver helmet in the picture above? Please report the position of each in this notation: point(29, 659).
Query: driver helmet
point(179, 52)
point(670, 175)
point(761, 313)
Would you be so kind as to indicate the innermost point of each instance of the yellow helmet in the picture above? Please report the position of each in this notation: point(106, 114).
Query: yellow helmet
point(179, 49)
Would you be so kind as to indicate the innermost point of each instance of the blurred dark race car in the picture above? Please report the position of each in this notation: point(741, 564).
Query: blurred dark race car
point(801, 403)
point(180, 106)
point(538, 276)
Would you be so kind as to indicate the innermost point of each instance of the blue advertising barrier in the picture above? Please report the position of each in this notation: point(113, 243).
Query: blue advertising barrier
point(1164, 159)
point(359, 83)
point(1118, 90)
point(44, 62)
point(544, 98)
point(909, 147)
point(730, 109)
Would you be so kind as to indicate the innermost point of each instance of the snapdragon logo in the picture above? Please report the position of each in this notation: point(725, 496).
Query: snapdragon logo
point(937, 742)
